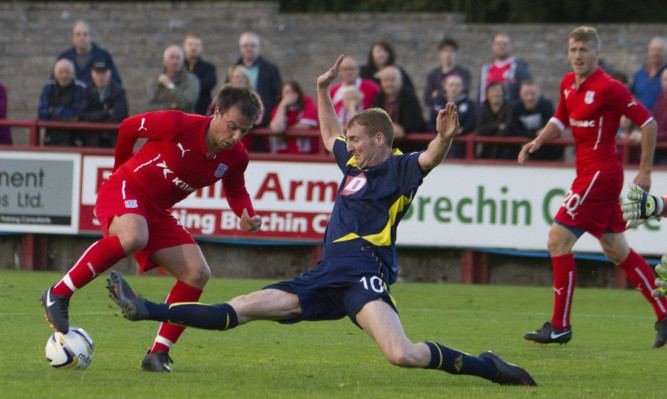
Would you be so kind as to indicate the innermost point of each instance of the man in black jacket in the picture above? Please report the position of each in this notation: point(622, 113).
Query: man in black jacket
point(264, 75)
point(205, 71)
point(403, 108)
point(530, 113)
point(84, 54)
point(103, 101)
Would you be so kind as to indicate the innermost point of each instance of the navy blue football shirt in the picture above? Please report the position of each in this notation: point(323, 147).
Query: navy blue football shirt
point(370, 204)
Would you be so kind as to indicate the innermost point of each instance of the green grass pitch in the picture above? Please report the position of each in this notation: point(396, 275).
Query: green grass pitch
point(610, 354)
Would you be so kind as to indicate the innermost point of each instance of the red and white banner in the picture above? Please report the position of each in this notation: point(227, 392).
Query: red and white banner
point(293, 198)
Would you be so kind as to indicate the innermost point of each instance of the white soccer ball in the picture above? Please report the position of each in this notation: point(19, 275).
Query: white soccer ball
point(74, 350)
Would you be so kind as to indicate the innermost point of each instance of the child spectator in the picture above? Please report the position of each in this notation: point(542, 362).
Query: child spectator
point(295, 110)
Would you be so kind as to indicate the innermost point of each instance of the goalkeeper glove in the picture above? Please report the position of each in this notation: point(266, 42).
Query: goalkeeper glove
point(642, 206)
point(661, 281)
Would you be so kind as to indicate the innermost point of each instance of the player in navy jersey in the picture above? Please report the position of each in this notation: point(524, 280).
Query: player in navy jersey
point(591, 105)
point(359, 259)
point(182, 154)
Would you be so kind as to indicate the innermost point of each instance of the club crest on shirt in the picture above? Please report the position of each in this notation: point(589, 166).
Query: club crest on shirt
point(353, 184)
point(589, 97)
point(221, 170)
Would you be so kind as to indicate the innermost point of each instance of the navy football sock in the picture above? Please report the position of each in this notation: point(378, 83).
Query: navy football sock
point(455, 362)
point(208, 317)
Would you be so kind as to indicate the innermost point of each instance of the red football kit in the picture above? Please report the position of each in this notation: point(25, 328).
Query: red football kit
point(171, 165)
point(593, 112)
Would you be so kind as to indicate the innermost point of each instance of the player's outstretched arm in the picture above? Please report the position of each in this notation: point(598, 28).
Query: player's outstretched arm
point(446, 124)
point(330, 126)
point(550, 132)
point(642, 206)
point(649, 134)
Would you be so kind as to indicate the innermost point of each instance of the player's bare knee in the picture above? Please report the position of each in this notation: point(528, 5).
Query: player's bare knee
point(556, 247)
point(198, 275)
point(133, 241)
point(616, 255)
point(203, 274)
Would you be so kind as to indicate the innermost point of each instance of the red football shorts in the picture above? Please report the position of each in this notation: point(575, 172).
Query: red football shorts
point(592, 204)
point(116, 198)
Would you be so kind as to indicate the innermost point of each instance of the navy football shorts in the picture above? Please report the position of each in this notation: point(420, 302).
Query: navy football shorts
point(338, 287)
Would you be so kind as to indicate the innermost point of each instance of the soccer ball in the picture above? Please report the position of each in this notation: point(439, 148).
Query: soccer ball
point(74, 350)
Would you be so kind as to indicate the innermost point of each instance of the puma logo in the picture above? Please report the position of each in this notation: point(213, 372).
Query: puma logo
point(142, 127)
point(183, 150)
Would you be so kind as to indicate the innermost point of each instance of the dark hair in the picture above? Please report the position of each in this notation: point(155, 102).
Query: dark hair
point(375, 120)
point(297, 88)
point(448, 41)
point(528, 82)
point(390, 58)
point(245, 99)
point(494, 84)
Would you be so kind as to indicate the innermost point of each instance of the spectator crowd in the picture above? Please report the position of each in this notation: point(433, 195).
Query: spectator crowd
point(86, 85)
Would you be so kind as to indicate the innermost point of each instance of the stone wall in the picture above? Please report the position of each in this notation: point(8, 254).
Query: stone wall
point(302, 45)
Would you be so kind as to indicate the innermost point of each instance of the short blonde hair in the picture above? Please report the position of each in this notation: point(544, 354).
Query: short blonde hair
point(586, 34)
point(244, 71)
point(375, 120)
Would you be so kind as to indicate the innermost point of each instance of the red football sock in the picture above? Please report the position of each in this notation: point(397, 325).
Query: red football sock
point(565, 278)
point(169, 333)
point(96, 260)
point(642, 277)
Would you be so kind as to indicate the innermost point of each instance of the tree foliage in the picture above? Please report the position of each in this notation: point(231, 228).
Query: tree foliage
point(501, 11)
point(479, 11)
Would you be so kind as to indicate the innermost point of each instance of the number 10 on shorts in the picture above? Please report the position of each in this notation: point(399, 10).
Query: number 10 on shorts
point(375, 283)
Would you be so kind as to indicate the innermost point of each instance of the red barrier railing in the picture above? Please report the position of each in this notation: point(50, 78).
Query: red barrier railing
point(471, 140)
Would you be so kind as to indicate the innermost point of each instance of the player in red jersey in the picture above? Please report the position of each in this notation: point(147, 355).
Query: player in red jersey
point(591, 105)
point(182, 153)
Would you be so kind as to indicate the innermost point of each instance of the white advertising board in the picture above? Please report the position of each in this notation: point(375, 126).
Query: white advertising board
point(39, 192)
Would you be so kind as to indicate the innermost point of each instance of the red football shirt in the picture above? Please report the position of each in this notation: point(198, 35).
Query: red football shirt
point(173, 162)
point(293, 115)
point(593, 112)
point(498, 71)
point(368, 89)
